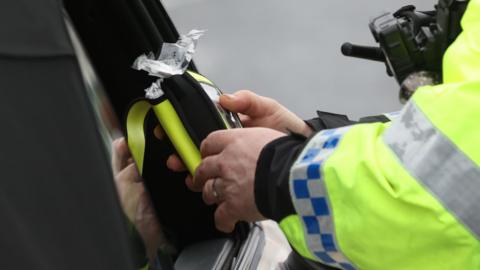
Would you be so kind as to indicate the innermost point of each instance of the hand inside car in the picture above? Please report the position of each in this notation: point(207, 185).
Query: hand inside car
point(134, 198)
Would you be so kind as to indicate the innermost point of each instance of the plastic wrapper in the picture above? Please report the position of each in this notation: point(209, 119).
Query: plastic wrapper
point(155, 90)
point(173, 60)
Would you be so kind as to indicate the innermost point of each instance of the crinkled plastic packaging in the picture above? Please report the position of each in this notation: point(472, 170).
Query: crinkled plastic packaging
point(173, 60)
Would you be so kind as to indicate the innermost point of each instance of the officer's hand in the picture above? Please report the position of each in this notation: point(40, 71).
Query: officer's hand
point(134, 198)
point(258, 111)
point(254, 111)
point(227, 172)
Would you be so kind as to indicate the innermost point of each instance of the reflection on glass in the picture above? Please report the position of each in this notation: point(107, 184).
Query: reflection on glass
point(230, 119)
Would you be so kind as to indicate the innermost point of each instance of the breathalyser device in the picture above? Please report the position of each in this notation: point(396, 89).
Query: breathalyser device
point(188, 110)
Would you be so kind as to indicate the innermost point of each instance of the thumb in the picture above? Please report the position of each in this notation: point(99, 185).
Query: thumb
point(120, 155)
point(244, 102)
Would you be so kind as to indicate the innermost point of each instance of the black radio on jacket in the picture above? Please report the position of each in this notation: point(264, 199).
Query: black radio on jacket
point(413, 42)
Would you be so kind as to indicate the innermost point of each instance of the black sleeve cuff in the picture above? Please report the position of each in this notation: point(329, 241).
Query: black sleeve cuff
point(326, 120)
point(374, 119)
point(272, 191)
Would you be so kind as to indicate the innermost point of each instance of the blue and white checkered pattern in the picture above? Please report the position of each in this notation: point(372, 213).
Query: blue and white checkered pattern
point(311, 201)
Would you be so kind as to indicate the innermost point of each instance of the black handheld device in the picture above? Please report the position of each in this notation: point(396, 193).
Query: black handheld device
point(187, 113)
point(412, 43)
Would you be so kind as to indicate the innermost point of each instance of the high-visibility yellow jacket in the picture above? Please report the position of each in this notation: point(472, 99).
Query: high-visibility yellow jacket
point(398, 195)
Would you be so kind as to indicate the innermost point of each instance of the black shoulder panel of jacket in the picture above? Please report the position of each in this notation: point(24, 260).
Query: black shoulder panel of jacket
point(296, 261)
point(326, 120)
point(272, 192)
point(374, 119)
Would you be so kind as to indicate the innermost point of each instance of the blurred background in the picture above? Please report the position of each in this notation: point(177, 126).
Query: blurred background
point(290, 50)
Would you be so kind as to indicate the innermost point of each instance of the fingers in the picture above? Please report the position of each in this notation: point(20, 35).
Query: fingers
point(189, 182)
point(158, 132)
point(216, 142)
point(175, 164)
point(120, 155)
point(243, 101)
point(224, 220)
point(208, 192)
point(243, 118)
point(129, 175)
point(129, 189)
point(208, 169)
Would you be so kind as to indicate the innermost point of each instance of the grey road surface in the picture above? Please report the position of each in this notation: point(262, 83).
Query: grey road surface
point(290, 50)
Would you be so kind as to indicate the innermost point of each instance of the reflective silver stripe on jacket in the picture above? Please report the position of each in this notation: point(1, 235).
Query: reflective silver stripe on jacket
point(392, 115)
point(432, 159)
point(309, 197)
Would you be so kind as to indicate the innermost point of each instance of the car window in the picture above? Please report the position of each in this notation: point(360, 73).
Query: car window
point(107, 122)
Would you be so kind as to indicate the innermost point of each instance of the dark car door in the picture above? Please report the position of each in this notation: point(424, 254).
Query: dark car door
point(58, 205)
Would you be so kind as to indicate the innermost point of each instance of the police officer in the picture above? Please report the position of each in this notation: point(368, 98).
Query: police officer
point(397, 195)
